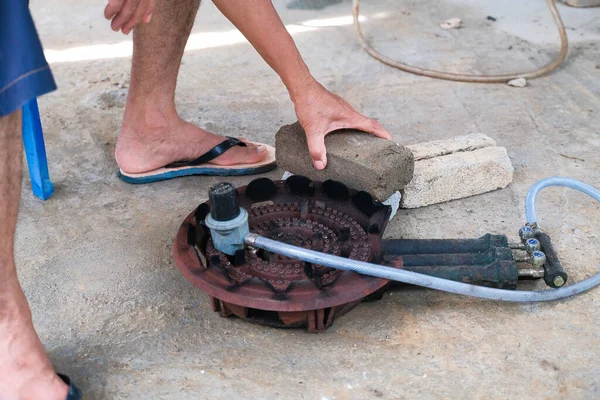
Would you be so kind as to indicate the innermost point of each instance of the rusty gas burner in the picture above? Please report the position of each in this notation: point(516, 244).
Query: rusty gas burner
point(327, 217)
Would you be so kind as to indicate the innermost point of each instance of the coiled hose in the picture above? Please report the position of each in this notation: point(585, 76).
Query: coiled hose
point(564, 48)
point(445, 285)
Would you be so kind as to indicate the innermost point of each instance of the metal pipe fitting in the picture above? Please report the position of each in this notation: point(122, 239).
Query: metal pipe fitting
point(227, 221)
point(532, 245)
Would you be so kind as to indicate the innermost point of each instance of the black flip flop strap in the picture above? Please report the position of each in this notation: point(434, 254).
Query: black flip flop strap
point(74, 392)
point(209, 155)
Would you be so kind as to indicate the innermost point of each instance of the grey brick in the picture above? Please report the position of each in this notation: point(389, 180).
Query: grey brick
point(359, 160)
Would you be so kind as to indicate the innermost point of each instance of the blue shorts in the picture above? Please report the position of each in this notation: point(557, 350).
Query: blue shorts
point(24, 72)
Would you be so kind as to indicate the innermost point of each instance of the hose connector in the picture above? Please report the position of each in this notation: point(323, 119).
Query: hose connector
point(538, 259)
point(250, 239)
point(532, 245)
point(526, 232)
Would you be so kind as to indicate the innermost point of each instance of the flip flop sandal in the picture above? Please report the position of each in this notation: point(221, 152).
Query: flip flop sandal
point(74, 392)
point(201, 166)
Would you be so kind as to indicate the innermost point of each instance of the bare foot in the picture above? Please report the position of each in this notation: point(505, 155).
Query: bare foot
point(146, 146)
point(25, 371)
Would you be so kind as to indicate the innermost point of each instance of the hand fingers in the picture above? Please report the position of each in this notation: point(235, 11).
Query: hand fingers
point(124, 15)
point(149, 9)
point(136, 18)
point(317, 150)
point(374, 127)
point(112, 8)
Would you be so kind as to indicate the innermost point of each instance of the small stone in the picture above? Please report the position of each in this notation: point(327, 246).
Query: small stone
point(519, 82)
point(452, 23)
point(582, 3)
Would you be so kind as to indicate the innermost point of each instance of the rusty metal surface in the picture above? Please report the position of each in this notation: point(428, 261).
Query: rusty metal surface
point(276, 290)
point(486, 261)
point(326, 217)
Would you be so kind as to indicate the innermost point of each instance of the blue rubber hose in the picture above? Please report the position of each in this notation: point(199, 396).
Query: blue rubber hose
point(530, 212)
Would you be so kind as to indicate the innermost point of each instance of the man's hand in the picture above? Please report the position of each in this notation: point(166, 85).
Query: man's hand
point(318, 110)
point(321, 112)
point(126, 14)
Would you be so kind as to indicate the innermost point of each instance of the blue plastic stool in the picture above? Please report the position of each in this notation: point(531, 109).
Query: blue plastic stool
point(35, 150)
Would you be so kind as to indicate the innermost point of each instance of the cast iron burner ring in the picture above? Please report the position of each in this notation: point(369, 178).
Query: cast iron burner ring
point(283, 222)
point(275, 290)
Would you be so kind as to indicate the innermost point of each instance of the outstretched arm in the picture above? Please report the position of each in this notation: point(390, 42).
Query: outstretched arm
point(319, 111)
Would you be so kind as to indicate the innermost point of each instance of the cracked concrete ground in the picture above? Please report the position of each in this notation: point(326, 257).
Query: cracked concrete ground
point(115, 313)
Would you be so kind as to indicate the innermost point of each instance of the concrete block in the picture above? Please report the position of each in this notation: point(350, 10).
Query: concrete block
point(469, 170)
point(359, 160)
point(437, 148)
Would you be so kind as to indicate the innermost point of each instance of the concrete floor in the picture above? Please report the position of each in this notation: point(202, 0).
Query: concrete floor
point(114, 312)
